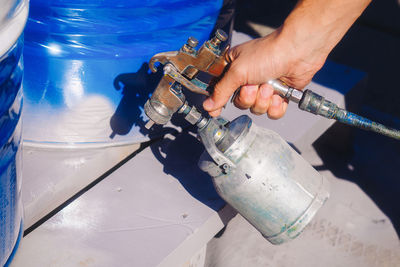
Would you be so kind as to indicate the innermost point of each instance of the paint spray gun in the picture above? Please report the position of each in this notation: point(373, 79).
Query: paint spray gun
point(253, 169)
point(181, 68)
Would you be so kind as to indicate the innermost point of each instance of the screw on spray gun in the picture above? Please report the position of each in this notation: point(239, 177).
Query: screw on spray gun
point(318, 105)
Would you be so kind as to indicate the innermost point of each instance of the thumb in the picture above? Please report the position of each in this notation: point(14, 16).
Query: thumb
point(223, 90)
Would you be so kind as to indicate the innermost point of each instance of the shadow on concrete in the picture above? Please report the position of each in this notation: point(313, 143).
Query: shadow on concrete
point(179, 153)
point(366, 159)
point(179, 150)
point(135, 88)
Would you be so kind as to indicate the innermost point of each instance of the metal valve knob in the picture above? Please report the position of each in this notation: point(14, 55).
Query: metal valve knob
point(192, 42)
point(221, 35)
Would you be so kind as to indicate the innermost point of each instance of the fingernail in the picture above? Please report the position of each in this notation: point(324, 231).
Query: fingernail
point(266, 92)
point(215, 113)
point(252, 89)
point(276, 101)
point(208, 104)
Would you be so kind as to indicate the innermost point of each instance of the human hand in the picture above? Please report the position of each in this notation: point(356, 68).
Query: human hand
point(253, 64)
point(293, 53)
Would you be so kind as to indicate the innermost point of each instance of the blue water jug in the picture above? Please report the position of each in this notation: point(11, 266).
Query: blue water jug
point(86, 77)
point(12, 20)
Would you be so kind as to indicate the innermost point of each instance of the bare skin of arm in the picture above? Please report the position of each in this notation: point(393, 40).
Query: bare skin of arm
point(293, 53)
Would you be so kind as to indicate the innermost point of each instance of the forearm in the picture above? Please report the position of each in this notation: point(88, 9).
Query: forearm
point(321, 24)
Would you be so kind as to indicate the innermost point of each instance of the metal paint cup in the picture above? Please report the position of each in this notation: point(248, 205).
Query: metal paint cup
point(269, 183)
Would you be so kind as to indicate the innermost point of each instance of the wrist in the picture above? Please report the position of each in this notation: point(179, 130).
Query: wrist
point(321, 24)
point(302, 48)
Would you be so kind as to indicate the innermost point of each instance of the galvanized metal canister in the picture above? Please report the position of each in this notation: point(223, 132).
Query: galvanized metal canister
point(13, 14)
point(271, 185)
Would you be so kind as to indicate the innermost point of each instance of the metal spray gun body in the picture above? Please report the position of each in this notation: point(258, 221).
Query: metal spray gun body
point(181, 69)
point(253, 169)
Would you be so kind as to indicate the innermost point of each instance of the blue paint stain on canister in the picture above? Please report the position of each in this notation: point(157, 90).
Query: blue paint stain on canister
point(86, 73)
point(12, 20)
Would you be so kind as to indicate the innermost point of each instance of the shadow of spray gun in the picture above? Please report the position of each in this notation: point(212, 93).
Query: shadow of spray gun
point(135, 89)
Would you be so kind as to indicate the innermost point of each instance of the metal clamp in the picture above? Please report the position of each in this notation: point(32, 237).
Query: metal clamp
point(208, 135)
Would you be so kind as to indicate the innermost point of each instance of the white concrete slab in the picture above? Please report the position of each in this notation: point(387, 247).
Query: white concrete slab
point(157, 209)
point(51, 176)
point(349, 230)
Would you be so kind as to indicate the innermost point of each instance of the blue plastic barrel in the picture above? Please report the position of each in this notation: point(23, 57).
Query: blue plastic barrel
point(86, 75)
point(12, 20)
